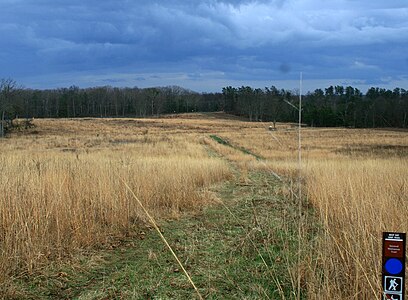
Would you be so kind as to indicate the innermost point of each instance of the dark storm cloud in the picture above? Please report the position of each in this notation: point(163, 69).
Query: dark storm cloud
point(93, 42)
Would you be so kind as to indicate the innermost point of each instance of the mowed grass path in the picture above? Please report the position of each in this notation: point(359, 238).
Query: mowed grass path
point(240, 248)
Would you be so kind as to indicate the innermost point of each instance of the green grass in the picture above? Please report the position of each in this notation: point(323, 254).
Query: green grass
point(243, 248)
point(224, 142)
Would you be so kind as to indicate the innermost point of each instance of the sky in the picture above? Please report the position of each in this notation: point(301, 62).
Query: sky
point(204, 45)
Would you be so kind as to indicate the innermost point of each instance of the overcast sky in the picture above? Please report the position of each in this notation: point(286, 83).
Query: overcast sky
point(204, 44)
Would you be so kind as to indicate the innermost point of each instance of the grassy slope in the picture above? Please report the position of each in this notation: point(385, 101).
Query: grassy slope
point(220, 247)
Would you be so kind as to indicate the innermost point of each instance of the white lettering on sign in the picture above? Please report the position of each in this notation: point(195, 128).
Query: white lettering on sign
point(393, 237)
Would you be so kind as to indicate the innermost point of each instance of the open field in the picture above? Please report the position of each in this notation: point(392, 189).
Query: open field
point(357, 181)
point(62, 189)
point(62, 186)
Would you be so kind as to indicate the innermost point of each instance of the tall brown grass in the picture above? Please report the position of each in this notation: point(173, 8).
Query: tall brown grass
point(61, 188)
point(357, 182)
point(357, 200)
point(58, 194)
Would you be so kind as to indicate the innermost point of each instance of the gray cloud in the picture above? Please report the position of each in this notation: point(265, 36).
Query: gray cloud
point(243, 40)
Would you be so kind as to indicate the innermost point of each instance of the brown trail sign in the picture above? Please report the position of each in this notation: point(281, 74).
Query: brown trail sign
point(393, 266)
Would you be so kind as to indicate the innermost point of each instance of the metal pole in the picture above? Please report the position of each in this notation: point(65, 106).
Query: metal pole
point(300, 183)
point(300, 126)
point(300, 140)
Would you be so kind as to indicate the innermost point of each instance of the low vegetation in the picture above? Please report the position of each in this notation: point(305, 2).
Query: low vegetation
point(62, 190)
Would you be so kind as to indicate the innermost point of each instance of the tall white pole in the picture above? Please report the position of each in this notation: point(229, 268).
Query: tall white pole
point(300, 124)
point(300, 184)
point(300, 140)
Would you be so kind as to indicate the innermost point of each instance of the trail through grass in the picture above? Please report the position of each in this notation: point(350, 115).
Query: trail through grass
point(239, 248)
point(60, 195)
point(224, 142)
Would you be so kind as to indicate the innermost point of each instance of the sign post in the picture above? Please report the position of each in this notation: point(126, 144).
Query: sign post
point(393, 266)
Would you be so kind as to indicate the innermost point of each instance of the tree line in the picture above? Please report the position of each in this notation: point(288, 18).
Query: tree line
point(333, 106)
point(103, 101)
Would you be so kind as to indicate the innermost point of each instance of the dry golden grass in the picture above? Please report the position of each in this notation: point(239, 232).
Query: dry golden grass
point(357, 199)
point(357, 180)
point(61, 187)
